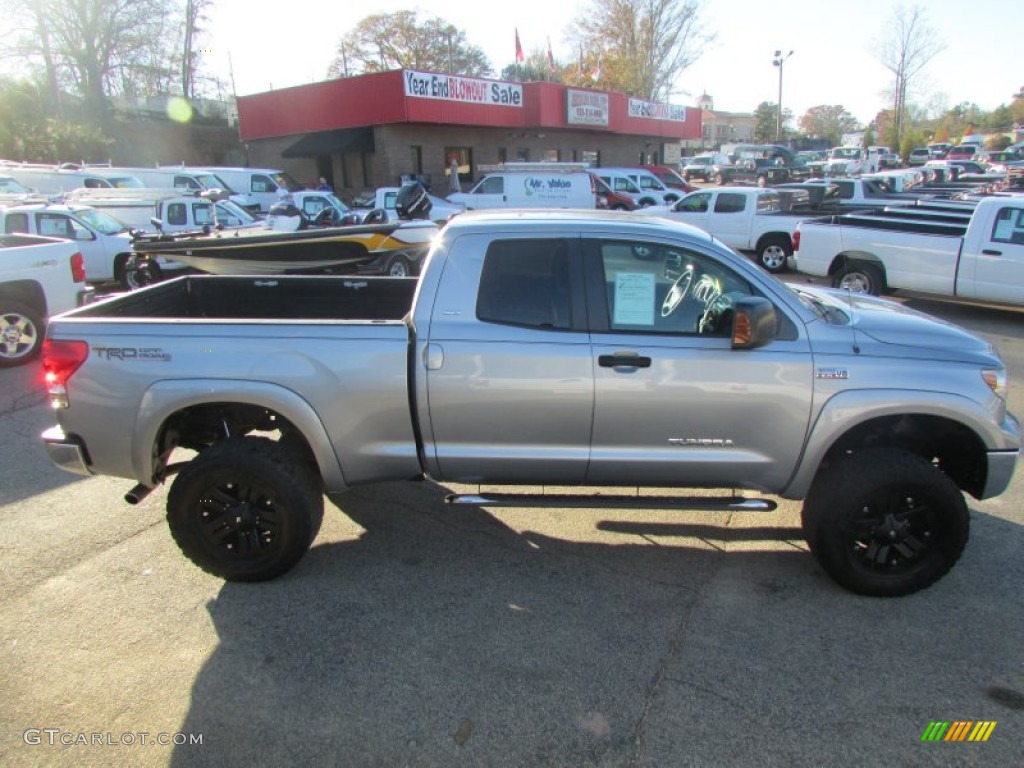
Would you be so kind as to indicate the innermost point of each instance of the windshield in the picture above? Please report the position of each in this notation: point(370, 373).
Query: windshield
point(284, 180)
point(213, 181)
point(846, 153)
point(125, 182)
point(7, 184)
point(99, 221)
point(228, 208)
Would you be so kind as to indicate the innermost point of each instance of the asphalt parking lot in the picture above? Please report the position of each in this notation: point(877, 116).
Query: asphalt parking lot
point(414, 634)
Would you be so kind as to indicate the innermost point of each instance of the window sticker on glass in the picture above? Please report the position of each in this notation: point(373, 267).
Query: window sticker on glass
point(634, 298)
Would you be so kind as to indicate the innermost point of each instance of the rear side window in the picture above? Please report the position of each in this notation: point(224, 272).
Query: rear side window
point(16, 222)
point(526, 283)
point(730, 202)
point(176, 214)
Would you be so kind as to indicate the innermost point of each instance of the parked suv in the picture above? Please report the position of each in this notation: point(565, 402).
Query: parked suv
point(920, 156)
point(702, 167)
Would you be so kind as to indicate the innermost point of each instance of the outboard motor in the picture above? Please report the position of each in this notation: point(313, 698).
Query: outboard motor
point(285, 217)
point(413, 202)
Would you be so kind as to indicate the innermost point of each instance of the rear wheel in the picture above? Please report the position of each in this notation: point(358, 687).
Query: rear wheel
point(885, 522)
point(773, 254)
point(718, 178)
point(138, 273)
point(245, 509)
point(21, 333)
point(859, 277)
point(398, 266)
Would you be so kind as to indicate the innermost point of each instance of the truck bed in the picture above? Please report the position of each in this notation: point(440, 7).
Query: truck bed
point(222, 297)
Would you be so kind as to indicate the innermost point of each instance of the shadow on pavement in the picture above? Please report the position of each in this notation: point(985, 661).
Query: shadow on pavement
point(444, 637)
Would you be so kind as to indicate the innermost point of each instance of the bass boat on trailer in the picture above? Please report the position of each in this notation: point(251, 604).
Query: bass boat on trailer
point(259, 251)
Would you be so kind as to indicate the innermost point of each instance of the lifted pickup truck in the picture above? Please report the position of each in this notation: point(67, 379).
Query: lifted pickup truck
point(538, 349)
point(979, 257)
point(750, 219)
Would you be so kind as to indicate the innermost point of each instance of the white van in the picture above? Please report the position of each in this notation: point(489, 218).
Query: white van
point(254, 188)
point(176, 211)
point(56, 180)
point(530, 185)
point(652, 189)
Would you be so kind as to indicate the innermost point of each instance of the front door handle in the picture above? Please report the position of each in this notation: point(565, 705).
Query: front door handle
point(624, 361)
point(990, 252)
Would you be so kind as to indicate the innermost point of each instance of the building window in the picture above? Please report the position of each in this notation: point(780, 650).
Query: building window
point(461, 155)
point(552, 155)
point(523, 154)
point(416, 158)
point(502, 155)
point(590, 156)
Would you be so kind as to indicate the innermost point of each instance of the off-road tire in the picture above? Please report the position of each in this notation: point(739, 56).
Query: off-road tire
point(885, 522)
point(245, 509)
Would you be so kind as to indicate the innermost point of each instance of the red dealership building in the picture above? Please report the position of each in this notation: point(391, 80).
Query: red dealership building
point(373, 130)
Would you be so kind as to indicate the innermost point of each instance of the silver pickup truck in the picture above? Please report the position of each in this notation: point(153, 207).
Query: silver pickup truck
point(542, 348)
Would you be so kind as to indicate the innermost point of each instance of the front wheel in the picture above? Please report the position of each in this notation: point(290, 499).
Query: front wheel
point(885, 522)
point(21, 333)
point(859, 277)
point(773, 254)
point(245, 509)
point(719, 179)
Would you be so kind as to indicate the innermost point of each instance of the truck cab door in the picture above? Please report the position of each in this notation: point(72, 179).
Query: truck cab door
point(992, 262)
point(674, 403)
point(489, 193)
point(98, 265)
point(509, 384)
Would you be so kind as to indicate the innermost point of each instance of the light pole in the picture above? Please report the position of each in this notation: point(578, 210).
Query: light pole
point(778, 61)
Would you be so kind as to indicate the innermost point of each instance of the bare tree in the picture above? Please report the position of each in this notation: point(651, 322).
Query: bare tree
point(911, 45)
point(643, 45)
point(96, 48)
point(400, 40)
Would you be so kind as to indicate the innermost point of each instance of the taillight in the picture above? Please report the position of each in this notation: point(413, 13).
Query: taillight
point(78, 267)
point(60, 360)
point(796, 240)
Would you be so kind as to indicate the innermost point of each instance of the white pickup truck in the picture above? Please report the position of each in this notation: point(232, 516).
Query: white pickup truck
point(980, 258)
point(103, 241)
point(749, 219)
point(39, 277)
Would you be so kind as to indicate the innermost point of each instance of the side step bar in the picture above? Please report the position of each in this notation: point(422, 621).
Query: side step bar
point(573, 501)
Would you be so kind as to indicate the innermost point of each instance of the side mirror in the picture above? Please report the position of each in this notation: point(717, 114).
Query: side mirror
point(754, 322)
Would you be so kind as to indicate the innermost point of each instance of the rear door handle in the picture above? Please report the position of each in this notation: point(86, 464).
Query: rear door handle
point(990, 252)
point(624, 361)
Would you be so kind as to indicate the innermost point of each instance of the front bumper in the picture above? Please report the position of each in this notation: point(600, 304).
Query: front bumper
point(67, 452)
point(1001, 464)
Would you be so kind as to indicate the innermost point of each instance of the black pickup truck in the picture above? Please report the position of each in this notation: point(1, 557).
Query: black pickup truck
point(760, 171)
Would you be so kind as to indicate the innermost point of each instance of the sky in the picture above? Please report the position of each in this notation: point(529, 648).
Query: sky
point(834, 47)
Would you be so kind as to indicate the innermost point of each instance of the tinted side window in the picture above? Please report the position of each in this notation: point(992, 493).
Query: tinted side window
point(261, 183)
point(176, 214)
point(730, 202)
point(16, 222)
point(526, 282)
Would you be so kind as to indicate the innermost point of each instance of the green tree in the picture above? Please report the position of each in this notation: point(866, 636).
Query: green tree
point(827, 121)
point(26, 133)
point(101, 48)
point(385, 41)
point(643, 45)
point(910, 45)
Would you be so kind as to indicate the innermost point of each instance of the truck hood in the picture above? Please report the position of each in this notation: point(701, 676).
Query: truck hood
point(893, 324)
